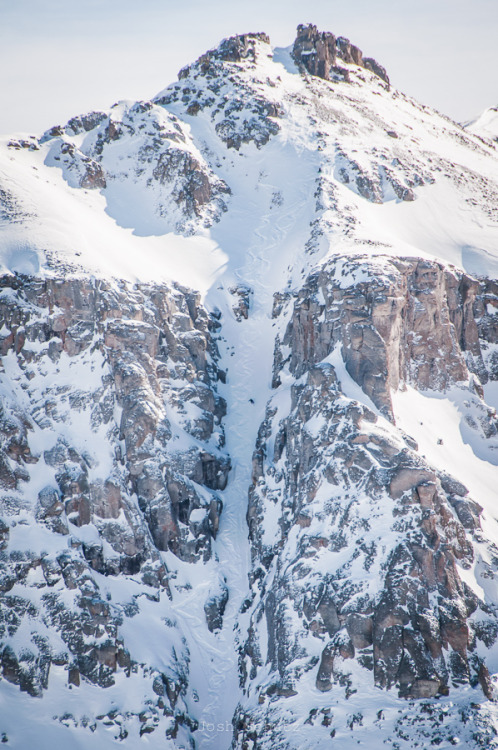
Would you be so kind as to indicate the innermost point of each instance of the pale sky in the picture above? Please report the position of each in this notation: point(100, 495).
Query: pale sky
point(59, 58)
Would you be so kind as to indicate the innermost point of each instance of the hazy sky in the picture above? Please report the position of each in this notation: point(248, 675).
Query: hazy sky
point(59, 58)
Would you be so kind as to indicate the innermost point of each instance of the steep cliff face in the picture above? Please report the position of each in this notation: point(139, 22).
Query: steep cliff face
point(406, 320)
point(248, 438)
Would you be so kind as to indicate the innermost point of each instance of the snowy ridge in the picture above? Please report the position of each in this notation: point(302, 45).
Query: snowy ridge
point(486, 125)
point(341, 241)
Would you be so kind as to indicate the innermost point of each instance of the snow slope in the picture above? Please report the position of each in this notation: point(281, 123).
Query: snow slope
point(486, 125)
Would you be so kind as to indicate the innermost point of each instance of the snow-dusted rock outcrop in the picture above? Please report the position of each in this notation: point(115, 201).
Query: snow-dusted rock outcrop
point(138, 153)
point(218, 83)
point(357, 541)
point(395, 320)
point(110, 454)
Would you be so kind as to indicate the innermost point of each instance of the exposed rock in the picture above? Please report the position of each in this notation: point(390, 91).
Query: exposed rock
point(214, 608)
point(80, 170)
point(142, 353)
point(371, 572)
point(232, 49)
point(196, 189)
point(163, 155)
point(373, 65)
point(241, 47)
point(349, 52)
point(338, 647)
point(19, 143)
point(325, 456)
point(241, 307)
point(413, 569)
point(317, 51)
point(240, 114)
point(412, 322)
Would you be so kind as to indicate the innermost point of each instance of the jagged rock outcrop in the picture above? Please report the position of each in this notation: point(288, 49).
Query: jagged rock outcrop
point(219, 85)
point(233, 49)
point(143, 339)
point(79, 170)
point(215, 606)
point(315, 50)
point(326, 448)
point(318, 51)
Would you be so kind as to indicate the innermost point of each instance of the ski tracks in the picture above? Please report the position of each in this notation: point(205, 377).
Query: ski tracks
point(246, 349)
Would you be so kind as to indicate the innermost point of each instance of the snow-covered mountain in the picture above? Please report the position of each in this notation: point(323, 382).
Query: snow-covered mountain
point(249, 446)
point(486, 125)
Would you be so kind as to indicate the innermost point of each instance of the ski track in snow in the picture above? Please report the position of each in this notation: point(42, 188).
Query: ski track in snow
point(248, 357)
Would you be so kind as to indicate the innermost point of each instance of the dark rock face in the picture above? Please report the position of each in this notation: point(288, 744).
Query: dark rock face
point(30, 144)
point(373, 65)
point(241, 47)
point(318, 51)
point(486, 307)
point(81, 170)
point(242, 301)
point(233, 49)
point(86, 123)
point(135, 341)
point(214, 608)
point(348, 52)
point(392, 628)
point(196, 190)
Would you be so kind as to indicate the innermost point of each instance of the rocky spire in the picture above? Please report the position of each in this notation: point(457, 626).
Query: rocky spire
point(318, 51)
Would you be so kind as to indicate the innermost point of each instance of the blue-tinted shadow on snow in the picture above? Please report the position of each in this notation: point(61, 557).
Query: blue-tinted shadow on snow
point(130, 209)
point(22, 260)
point(283, 56)
point(479, 262)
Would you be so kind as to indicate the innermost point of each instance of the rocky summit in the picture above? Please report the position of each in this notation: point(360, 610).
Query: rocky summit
point(248, 430)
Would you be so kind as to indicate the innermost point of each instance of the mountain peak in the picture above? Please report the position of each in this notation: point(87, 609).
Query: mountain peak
point(248, 438)
point(317, 51)
point(486, 125)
